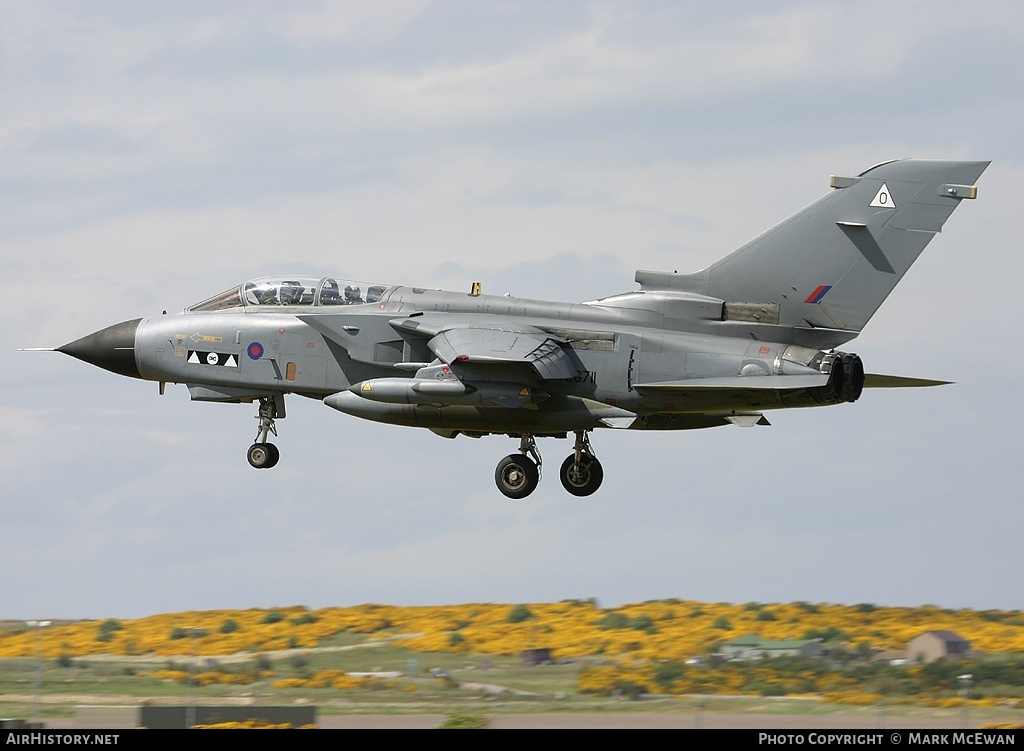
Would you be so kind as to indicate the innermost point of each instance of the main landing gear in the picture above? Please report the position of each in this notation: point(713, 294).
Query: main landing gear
point(263, 455)
point(517, 475)
point(581, 472)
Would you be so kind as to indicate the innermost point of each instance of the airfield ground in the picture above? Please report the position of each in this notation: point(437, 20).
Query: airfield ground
point(659, 713)
point(501, 689)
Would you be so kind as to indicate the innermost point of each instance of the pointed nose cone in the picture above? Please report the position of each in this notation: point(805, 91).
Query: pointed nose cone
point(112, 348)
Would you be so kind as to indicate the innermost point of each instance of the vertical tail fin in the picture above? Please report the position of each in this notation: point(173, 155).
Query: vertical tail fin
point(833, 264)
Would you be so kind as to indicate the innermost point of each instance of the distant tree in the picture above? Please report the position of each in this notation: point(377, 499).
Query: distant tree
point(722, 622)
point(228, 627)
point(263, 663)
point(613, 620)
point(274, 616)
point(772, 689)
point(589, 602)
point(766, 615)
point(518, 614)
point(641, 623)
point(630, 689)
point(188, 633)
point(831, 634)
point(668, 673)
point(105, 631)
point(866, 607)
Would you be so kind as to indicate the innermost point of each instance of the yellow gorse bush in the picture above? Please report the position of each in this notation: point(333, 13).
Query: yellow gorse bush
point(674, 630)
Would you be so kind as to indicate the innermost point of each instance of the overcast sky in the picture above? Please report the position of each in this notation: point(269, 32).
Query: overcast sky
point(154, 154)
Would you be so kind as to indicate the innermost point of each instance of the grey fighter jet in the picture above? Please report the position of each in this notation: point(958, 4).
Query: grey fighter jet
point(753, 332)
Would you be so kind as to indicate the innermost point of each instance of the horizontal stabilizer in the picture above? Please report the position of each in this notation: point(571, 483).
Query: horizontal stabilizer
point(875, 381)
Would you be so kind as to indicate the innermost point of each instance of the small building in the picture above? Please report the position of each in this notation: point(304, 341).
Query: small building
point(937, 645)
point(753, 647)
point(542, 656)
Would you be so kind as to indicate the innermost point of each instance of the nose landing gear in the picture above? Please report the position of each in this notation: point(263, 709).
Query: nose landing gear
point(263, 455)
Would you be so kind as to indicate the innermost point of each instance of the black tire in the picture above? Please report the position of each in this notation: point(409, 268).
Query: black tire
point(516, 476)
point(586, 480)
point(262, 455)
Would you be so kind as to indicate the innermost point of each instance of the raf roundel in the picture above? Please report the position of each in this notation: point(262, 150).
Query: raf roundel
point(255, 350)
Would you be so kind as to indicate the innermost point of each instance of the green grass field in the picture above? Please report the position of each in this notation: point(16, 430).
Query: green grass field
point(478, 684)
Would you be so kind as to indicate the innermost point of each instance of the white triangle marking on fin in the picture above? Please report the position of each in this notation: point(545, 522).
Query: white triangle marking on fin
point(883, 199)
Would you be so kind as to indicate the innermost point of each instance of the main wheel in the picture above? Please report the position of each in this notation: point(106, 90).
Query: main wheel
point(263, 455)
point(516, 476)
point(582, 479)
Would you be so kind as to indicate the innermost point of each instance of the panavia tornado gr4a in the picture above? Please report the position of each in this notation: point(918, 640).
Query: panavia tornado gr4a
point(753, 332)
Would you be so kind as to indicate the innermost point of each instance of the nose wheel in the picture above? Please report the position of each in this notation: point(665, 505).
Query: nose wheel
point(264, 455)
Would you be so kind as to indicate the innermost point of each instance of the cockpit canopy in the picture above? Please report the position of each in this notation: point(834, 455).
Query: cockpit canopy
point(293, 290)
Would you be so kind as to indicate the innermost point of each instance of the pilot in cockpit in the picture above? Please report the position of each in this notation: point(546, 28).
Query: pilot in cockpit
point(352, 295)
point(290, 293)
point(265, 294)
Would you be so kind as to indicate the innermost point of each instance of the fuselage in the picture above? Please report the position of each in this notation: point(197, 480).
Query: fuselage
point(239, 353)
